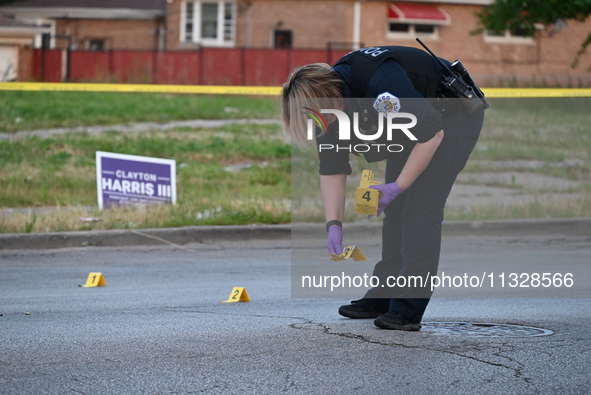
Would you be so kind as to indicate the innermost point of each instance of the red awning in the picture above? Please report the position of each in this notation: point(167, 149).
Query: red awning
point(418, 14)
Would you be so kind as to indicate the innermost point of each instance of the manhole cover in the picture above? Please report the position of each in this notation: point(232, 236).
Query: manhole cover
point(482, 329)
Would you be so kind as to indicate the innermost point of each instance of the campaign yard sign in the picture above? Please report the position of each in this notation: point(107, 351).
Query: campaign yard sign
point(131, 179)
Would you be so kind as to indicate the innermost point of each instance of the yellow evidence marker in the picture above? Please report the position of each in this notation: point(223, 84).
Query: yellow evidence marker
point(238, 294)
point(366, 199)
point(95, 280)
point(349, 252)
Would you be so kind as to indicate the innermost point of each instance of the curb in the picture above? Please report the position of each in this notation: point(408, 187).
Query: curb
point(530, 227)
point(142, 237)
point(216, 234)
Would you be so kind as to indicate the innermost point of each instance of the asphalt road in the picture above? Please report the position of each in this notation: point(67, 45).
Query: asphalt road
point(158, 326)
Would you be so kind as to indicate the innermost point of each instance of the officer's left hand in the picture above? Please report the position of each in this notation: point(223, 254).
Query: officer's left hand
point(335, 240)
point(389, 192)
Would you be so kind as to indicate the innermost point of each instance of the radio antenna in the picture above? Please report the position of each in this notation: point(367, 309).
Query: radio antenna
point(435, 56)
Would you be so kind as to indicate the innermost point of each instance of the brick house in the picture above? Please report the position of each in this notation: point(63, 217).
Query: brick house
point(446, 26)
point(189, 25)
point(15, 38)
point(93, 25)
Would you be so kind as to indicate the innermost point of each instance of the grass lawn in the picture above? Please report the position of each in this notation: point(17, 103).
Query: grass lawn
point(60, 172)
point(552, 132)
point(22, 110)
point(241, 174)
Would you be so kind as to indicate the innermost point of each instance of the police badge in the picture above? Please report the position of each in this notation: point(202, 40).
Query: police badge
point(386, 102)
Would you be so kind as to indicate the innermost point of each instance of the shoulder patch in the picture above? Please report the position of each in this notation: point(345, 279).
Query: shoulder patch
point(386, 102)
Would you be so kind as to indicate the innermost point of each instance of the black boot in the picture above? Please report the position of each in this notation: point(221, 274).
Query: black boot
point(395, 320)
point(364, 308)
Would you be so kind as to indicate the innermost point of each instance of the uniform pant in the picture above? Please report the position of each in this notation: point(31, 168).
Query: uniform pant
point(411, 233)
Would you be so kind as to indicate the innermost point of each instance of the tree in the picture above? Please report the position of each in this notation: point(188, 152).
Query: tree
point(521, 16)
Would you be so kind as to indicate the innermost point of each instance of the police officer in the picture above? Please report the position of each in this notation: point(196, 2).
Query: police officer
point(418, 179)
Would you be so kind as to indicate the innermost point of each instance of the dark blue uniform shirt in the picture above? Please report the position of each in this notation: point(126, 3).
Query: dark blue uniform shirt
point(390, 77)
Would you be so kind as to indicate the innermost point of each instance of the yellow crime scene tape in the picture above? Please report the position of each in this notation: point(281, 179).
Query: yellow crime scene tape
point(250, 90)
point(536, 92)
point(142, 88)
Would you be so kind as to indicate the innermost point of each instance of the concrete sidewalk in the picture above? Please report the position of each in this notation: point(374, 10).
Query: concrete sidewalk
point(212, 234)
point(134, 127)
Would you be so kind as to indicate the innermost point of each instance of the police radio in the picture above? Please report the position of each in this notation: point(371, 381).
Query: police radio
point(458, 83)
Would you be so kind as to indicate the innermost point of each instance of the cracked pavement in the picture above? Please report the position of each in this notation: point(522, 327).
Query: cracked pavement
point(158, 327)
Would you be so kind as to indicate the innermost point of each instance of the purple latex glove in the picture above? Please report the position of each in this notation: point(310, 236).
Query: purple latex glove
point(389, 192)
point(335, 240)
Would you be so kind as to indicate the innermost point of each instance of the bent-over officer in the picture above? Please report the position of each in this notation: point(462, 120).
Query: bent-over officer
point(418, 178)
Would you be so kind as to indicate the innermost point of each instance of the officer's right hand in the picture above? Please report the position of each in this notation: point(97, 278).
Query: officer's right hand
point(335, 240)
point(388, 192)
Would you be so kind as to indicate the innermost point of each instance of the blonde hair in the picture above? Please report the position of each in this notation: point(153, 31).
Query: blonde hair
point(314, 86)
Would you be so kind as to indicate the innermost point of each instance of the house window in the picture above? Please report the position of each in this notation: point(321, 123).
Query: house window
point(409, 20)
point(43, 40)
point(208, 22)
point(282, 39)
point(96, 45)
point(507, 37)
point(189, 17)
point(404, 30)
point(228, 21)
